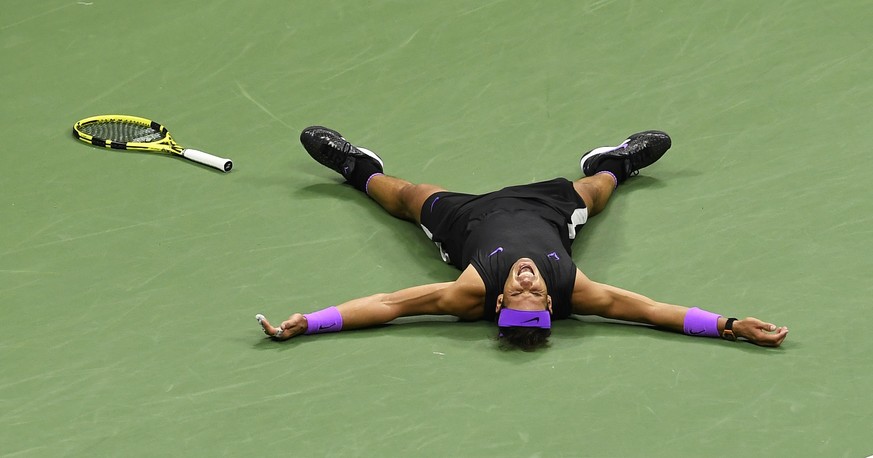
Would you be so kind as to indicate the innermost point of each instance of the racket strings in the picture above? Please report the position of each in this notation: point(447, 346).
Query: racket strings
point(122, 131)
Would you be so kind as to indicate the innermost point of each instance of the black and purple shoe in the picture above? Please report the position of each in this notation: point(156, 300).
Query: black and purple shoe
point(333, 151)
point(640, 150)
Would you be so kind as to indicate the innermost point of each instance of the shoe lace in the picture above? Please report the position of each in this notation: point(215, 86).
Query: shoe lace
point(339, 144)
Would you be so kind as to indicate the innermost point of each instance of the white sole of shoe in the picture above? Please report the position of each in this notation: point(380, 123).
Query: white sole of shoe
point(372, 155)
point(598, 151)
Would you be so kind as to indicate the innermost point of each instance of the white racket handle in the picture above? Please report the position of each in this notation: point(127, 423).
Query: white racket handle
point(219, 163)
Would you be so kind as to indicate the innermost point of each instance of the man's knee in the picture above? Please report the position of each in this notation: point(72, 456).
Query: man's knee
point(414, 196)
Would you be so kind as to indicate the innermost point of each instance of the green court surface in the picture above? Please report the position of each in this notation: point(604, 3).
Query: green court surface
point(129, 281)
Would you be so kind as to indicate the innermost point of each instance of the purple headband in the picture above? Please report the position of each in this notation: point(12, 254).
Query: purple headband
point(525, 318)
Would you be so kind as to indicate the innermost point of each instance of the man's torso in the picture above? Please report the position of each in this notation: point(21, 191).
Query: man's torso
point(492, 231)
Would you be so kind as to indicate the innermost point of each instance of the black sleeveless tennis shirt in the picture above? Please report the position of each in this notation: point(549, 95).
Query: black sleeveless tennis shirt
point(492, 231)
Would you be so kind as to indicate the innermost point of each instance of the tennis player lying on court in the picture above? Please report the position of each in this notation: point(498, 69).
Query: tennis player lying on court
point(513, 249)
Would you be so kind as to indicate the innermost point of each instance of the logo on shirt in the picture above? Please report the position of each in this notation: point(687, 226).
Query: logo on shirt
point(553, 255)
point(498, 250)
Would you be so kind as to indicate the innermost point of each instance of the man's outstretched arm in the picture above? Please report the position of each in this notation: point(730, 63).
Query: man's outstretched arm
point(462, 298)
point(592, 298)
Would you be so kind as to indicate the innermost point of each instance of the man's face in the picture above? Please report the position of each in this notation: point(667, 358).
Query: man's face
point(524, 288)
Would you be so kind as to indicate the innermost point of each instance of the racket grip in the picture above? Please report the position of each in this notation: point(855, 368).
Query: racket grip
point(219, 163)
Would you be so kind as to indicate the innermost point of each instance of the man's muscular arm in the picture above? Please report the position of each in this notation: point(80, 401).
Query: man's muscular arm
point(462, 298)
point(592, 298)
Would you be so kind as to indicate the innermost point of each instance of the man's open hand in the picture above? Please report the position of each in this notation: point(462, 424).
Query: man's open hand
point(293, 326)
point(759, 332)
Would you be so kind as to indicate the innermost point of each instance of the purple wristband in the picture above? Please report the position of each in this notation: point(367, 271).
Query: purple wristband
point(701, 323)
point(327, 320)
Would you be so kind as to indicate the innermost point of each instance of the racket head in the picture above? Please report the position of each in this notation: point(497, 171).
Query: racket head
point(125, 132)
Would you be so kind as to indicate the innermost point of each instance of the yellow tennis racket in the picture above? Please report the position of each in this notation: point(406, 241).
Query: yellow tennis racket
point(140, 134)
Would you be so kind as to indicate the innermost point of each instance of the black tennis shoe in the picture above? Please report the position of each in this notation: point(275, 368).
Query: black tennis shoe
point(333, 151)
point(640, 150)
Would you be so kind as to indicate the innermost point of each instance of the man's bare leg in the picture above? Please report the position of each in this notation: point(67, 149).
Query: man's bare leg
point(362, 169)
point(595, 191)
point(399, 197)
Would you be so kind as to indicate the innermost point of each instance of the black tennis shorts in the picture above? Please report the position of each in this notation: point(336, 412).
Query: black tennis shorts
point(446, 216)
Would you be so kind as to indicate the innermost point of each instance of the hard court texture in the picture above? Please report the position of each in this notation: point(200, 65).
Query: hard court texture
point(129, 282)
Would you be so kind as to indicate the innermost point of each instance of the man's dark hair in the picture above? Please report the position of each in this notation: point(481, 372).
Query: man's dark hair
point(525, 339)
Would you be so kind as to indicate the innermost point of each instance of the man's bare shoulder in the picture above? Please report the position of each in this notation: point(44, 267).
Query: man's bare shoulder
point(471, 280)
point(466, 295)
